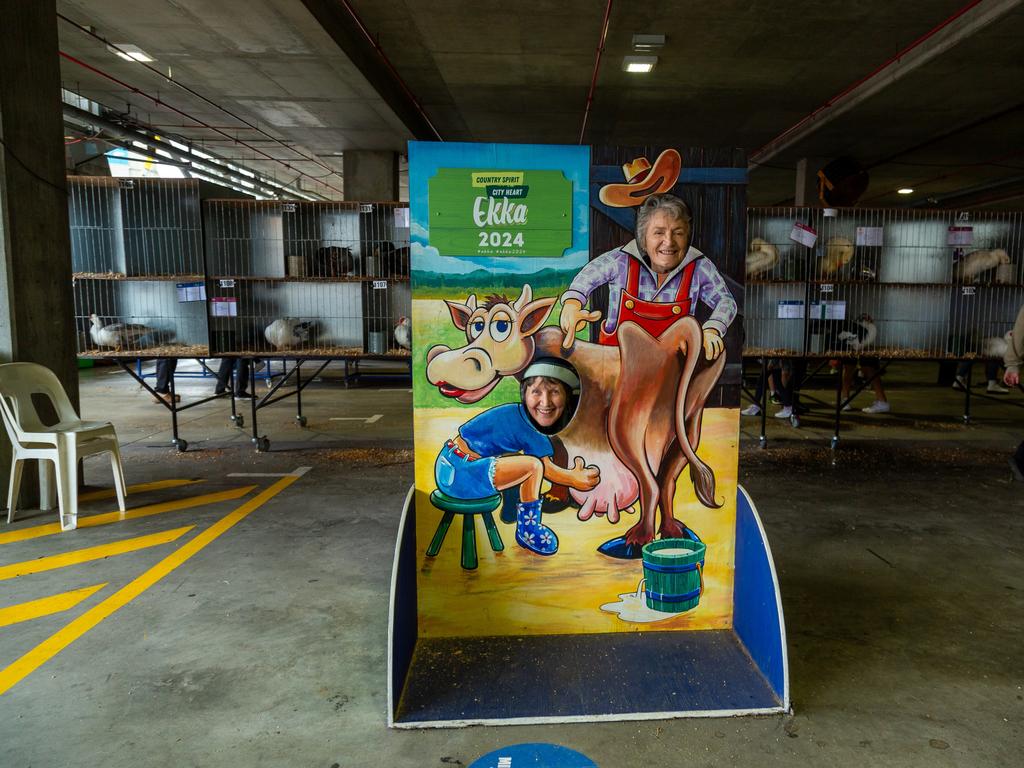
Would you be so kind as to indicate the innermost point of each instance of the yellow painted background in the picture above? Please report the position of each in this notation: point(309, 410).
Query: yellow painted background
point(516, 592)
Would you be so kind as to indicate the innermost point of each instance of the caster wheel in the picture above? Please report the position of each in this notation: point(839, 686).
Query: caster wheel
point(262, 444)
point(181, 445)
point(238, 420)
point(301, 420)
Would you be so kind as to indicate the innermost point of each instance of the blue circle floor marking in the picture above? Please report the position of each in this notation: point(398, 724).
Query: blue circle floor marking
point(534, 756)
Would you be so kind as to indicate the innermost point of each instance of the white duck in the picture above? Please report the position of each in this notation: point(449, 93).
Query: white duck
point(287, 332)
point(403, 333)
point(116, 335)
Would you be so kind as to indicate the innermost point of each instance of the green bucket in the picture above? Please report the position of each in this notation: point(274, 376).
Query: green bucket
point(673, 574)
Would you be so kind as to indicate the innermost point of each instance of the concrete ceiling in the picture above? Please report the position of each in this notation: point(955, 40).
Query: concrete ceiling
point(732, 73)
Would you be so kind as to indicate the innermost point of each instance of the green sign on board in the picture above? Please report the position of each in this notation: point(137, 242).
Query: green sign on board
point(480, 212)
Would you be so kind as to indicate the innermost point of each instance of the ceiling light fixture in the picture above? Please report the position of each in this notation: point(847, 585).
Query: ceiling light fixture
point(639, 63)
point(904, 191)
point(648, 43)
point(129, 52)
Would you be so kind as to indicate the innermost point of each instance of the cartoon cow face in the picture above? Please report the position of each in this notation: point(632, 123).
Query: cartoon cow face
point(500, 343)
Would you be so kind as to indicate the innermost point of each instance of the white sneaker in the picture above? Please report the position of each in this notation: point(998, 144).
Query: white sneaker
point(847, 407)
point(785, 413)
point(751, 410)
point(960, 383)
point(995, 388)
point(879, 406)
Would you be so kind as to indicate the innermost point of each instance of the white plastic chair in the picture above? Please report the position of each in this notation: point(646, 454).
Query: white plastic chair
point(63, 443)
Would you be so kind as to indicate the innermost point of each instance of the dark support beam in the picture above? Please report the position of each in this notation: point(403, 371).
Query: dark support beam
point(343, 29)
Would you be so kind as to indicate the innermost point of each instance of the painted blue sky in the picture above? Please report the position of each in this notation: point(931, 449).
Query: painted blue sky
point(426, 157)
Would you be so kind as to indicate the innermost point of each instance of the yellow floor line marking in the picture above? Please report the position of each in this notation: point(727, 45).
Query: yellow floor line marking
point(45, 606)
point(77, 556)
point(62, 638)
point(48, 529)
point(110, 493)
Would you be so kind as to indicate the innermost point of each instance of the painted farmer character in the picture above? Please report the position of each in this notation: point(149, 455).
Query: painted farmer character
point(653, 281)
point(507, 446)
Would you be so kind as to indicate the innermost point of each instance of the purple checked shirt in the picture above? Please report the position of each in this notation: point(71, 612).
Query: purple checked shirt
point(611, 268)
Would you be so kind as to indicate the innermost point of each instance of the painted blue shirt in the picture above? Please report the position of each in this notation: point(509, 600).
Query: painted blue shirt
point(503, 430)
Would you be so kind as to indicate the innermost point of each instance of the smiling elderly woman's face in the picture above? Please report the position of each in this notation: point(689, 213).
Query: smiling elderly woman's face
point(666, 240)
point(545, 399)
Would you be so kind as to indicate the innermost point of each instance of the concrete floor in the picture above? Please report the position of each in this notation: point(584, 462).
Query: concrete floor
point(901, 568)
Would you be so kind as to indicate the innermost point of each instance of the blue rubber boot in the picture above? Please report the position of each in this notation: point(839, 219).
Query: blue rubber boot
point(530, 533)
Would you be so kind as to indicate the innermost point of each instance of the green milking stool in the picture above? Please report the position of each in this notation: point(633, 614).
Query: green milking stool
point(467, 508)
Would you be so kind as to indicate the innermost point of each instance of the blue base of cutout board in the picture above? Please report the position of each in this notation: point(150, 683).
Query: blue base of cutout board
point(633, 675)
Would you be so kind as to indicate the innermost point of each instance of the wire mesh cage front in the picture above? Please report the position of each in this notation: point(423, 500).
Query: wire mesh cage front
point(307, 279)
point(897, 283)
point(137, 263)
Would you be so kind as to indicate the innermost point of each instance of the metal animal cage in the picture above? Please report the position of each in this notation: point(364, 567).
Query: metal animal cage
point(897, 283)
point(302, 279)
point(137, 262)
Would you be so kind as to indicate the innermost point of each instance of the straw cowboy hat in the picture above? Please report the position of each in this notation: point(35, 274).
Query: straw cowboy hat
point(643, 180)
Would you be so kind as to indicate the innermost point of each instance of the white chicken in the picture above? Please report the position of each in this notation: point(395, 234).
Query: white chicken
point(403, 333)
point(994, 347)
point(288, 332)
point(116, 335)
point(861, 335)
point(981, 261)
point(838, 252)
point(762, 256)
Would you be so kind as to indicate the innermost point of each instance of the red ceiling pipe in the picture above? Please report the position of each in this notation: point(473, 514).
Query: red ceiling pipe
point(387, 63)
point(159, 102)
point(597, 67)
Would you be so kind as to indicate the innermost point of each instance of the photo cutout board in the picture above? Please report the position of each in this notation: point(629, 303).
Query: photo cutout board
point(599, 496)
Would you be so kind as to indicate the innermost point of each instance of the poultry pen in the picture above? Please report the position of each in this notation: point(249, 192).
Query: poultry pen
point(306, 282)
point(895, 284)
point(138, 274)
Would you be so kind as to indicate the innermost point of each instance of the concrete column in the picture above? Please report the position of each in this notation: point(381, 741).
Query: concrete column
point(36, 305)
point(806, 182)
point(371, 175)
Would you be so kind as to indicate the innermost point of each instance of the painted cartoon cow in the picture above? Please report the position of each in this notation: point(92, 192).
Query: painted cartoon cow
point(640, 410)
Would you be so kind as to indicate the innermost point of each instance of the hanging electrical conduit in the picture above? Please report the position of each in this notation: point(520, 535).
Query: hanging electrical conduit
point(215, 105)
point(159, 148)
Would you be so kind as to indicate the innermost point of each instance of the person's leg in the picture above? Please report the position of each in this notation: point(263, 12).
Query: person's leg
point(165, 368)
point(163, 375)
point(227, 367)
point(870, 370)
point(963, 370)
point(849, 369)
point(244, 376)
point(527, 472)
point(994, 385)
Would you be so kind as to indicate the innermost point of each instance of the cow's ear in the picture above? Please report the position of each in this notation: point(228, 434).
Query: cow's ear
point(460, 313)
point(534, 314)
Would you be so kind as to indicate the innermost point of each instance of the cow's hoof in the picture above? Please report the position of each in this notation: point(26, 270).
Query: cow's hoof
point(620, 549)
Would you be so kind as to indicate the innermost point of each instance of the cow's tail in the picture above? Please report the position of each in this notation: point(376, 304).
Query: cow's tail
point(702, 476)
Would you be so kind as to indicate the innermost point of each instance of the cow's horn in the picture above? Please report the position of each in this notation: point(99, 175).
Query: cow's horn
point(471, 302)
point(524, 298)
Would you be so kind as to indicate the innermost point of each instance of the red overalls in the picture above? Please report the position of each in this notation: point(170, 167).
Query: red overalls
point(653, 316)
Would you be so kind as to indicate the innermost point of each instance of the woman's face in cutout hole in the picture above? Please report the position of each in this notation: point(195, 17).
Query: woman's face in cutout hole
point(545, 401)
